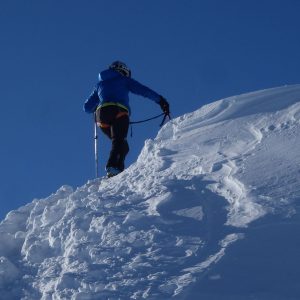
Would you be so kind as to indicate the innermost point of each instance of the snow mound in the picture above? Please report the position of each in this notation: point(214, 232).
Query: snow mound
point(181, 222)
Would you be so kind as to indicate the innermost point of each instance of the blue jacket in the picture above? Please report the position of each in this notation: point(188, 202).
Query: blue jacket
point(114, 87)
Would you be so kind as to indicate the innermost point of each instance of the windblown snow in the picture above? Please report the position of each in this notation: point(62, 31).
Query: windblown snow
point(210, 210)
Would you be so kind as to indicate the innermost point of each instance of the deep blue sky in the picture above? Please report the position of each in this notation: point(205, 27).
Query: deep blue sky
point(192, 52)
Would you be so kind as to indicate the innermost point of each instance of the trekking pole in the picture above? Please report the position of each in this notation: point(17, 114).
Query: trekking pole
point(96, 146)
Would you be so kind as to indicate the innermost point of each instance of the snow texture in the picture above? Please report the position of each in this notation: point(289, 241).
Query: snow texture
point(210, 210)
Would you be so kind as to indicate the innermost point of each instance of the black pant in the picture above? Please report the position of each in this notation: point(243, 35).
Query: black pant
point(114, 123)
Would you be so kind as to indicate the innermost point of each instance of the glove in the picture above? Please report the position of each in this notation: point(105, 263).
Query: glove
point(164, 105)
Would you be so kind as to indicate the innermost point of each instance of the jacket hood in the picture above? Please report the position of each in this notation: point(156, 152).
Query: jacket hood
point(108, 74)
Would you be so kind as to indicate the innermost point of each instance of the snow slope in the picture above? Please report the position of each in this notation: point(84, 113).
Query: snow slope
point(210, 210)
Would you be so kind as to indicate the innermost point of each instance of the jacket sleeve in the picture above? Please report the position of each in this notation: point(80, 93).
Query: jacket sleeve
point(139, 89)
point(92, 102)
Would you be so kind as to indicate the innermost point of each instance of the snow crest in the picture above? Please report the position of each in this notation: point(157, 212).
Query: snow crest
point(164, 225)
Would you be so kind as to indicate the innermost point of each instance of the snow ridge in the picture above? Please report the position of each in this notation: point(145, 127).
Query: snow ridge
point(172, 220)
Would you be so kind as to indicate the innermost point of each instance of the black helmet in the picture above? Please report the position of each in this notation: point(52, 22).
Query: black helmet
point(121, 68)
